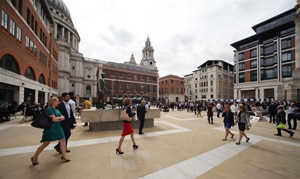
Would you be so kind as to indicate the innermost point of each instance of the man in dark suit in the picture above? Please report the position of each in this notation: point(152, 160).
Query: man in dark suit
point(273, 112)
point(141, 111)
point(66, 110)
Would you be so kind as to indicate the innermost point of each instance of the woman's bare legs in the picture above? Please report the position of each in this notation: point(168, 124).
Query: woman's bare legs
point(63, 148)
point(120, 143)
point(132, 138)
point(39, 150)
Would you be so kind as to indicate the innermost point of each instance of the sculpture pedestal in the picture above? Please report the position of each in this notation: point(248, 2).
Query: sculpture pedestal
point(109, 119)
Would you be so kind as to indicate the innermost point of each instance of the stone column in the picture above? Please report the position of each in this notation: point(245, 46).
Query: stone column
point(55, 30)
point(69, 34)
point(46, 98)
point(62, 32)
point(21, 95)
point(36, 96)
point(239, 94)
point(256, 93)
point(297, 42)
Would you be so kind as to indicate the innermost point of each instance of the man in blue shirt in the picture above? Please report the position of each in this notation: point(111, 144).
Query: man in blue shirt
point(293, 113)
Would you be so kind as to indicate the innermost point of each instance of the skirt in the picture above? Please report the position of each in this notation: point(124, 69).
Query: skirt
point(242, 126)
point(127, 129)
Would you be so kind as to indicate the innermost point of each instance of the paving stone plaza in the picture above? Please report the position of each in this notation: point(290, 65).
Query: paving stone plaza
point(180, 145)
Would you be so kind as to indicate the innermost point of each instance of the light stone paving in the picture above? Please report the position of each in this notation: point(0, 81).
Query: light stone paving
point(179, 146)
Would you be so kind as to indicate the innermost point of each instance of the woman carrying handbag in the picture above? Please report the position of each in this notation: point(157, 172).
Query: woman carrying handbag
point(54, 133)
point(243, 121)
point(127, 129)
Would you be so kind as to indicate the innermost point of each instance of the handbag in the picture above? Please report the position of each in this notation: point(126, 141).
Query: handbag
point(281, 126)
point(124, 116)
point(42, 121)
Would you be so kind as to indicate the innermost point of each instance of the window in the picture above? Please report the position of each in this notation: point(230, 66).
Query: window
point(287, 56)
point(121, 87)
point(34, 49)
point(31, 46)
point(241, 78)
point(128, 87)
point(88, 76)
point(135, 77)
point(269, 49)
point(73, 84)
point(269, 61)
point(172, 81)
point(148, 88)
point(203, 96)
point(120, 75)
point(181, 91)
point(128, 76)
point(195, 85)
point(12, 27)
point(253, 63)
point(4, 21)
point(19, 34)
point(267, 74)
point(286, 43)
point(154, 89)
point(286, 71)
point(41, 79)
point(211, 83)
point(88, 89)
point(135, 87)
point(29, 73)
point(241, 66)
point(142, 88)
point(8, 62)
point(27, 42)
point(142, 77)
point(241, 56)
point(212, 96)
point(253, 53)
point(113, 74)
point(253, 75)
point(154, 78)
point(211, 76)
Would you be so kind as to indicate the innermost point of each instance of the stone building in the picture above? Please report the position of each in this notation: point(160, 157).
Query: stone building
point(212, 80)
point(28, 52)
point(75, 73)
point(267, 63)
point(188, 93)
point(171, 89)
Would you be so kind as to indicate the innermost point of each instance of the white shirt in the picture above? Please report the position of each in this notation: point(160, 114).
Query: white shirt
point(73, 104)
point(67, 105)
point(233, 108)
point(218, 106)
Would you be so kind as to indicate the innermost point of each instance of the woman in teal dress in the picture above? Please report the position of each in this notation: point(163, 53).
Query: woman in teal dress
point(54, 133)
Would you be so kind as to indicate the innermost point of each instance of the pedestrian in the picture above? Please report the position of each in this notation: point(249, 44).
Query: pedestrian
point(280, 118)
point(127, 129)
point(85, 105)
point(228, 121)
point(272, 112)
point(65, 109)
point(54, 133)
point(199, 109)
point(219, 109)
point(141, 112)
point(293, 114)
point(233, 110)
point(242, 121)
point(210, 113)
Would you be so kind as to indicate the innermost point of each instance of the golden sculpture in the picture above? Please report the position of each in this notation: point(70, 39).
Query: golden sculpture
point(297, 6)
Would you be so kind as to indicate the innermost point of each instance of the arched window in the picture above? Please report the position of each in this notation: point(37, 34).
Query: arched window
point(8, 62)
point(42, 79)
point(29, 73)
point(89, 76)
point(88, 89)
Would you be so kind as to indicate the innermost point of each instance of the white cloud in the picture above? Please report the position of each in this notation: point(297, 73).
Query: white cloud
point(184, 33)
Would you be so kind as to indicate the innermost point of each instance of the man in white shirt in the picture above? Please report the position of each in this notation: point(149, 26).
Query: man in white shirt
point(219, 109)
point(73, 104)
point(233, 110)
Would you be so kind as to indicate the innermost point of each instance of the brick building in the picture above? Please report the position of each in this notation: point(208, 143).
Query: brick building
point(28, 52)
point(171, 89)
point(265, 62)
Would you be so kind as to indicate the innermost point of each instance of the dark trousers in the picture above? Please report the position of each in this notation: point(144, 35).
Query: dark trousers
point(219, 111)
point(210, 119)
point(294, 117)
point(67, 132)
point(142, 121)
point(272, 117)
point(279, 130)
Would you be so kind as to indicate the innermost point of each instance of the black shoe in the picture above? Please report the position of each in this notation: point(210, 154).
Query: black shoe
point(135, 147)
point(248, 139)
point(141, 133)
point(68, 151)
point(289, 128)
point(57, 149)
point(294, 129)
point(119, 152)
point(277, 134)
point(291, 134)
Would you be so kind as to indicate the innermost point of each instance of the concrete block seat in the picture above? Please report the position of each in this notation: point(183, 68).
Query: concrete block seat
point(109, 119)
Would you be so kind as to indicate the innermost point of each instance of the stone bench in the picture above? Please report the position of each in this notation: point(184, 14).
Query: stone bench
point(109, 119)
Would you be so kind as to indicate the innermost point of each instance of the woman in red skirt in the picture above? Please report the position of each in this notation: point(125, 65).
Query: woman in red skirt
point(127, 129)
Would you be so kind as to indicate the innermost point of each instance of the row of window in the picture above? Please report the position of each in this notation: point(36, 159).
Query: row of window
point(134, 87)
point(172, 81)
point(31, 46)
point(269, 61)
point(267, 74)
point(166, 91)
point(12, 29)
point(128, 76)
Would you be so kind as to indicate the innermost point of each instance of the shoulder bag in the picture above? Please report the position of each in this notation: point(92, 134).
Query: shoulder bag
point(124, 116)
point(42, 121)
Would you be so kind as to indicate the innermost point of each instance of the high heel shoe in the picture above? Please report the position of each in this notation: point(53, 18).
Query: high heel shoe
point(34, 163)
point(64, 160)
point(135, 147)
point(119, 152)
point(248, 139)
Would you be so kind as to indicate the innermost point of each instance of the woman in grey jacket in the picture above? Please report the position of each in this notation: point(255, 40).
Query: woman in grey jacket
point(242, 121)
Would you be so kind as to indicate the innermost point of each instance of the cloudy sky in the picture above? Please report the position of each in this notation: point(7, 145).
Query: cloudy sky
point(183, 33)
